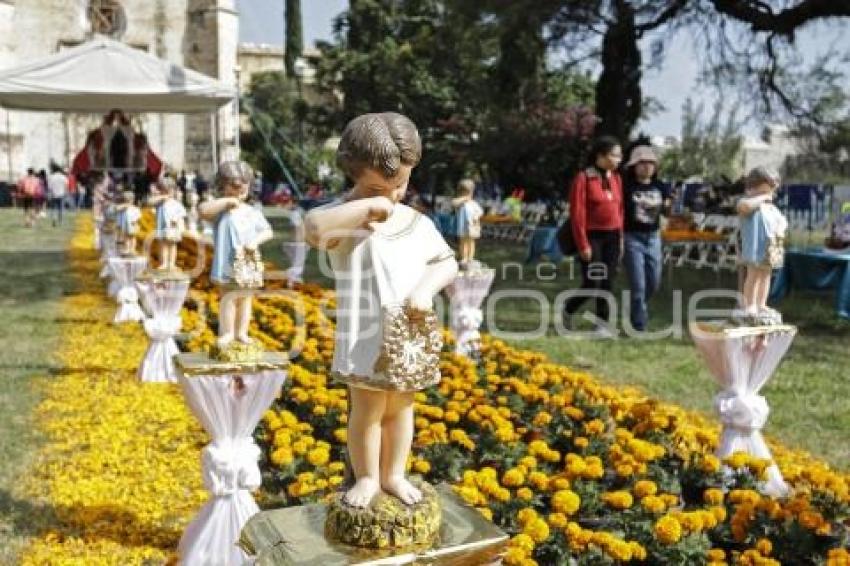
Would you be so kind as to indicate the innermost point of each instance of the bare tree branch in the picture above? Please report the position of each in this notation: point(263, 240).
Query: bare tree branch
point(762, 18)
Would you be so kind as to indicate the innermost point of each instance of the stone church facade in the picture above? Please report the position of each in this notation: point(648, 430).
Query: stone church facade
point(198, 34)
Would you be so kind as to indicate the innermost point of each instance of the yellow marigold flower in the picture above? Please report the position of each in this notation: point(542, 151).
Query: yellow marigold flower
point(523, 542)
point(638, 551)
point(282, 457)
point(320, 410)
point(422, 466)
point(838, 557)
point(514, 556)
point(710, 464)
point(451, 417)
point(618, 499)
point(719, 513)
point(566, 501)
point(574, 413)
point(619, 550)
point(538, 530)
point(653, 504)
point(668, 530)
point(486, 512)
point(594, 427)
point(526, 515)
point(764, 546)
point(713, 496)
point(538, 480)
point(537, 447)
point(557, 520)
point(318, 457)
point(716, 554)
point(299, 447)
point(642, 488)
point(624, 470)
point(811, 520)
point(575, 466)
point(502, 494)
point(525, 494)
point(737, 460)
point(513, 478)
point(744, 496)
point(581, 442)
point(560, 483)
point(691, 522)
point(542, 419)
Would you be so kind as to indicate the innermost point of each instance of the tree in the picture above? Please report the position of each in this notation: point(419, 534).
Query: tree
point(610, 31)
point(708, 150)
point(294, 45)
point(473, 76)
point(272, 144)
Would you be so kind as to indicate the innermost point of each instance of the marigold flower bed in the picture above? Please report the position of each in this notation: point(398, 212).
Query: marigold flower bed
point(571, 468)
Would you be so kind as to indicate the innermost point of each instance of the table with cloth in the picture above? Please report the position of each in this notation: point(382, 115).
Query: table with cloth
point(544, 242)
point(815, 268)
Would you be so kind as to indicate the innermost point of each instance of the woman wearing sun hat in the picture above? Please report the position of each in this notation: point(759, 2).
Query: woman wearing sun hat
point(645, 198)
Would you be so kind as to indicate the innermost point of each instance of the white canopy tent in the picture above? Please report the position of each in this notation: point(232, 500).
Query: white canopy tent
point(103, 74)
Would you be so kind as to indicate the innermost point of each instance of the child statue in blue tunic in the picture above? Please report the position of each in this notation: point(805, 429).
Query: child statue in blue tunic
point(239, 231)
point(170, 221)
point(763, 229)
point(128, 223)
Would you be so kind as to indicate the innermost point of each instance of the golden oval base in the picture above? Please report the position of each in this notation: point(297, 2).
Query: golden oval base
point(387, 522)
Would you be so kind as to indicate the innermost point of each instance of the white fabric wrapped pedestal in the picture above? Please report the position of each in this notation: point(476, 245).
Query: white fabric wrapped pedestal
point(125, 270)
point(162, 299)
point(297, 254)
point(108, 249)
point(229, 407)
point(742, 360)
point(467, 294)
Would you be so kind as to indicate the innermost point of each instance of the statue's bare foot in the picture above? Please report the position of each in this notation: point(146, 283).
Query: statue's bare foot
point(245, 339)
point(224, 341)
point(403, 489)
point(361, 494)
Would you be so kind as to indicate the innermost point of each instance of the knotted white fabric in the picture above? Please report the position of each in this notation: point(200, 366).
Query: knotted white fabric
point(125, 270)
point(230, 466)
point(163, 300)
point(229, 408)
point(742, 360)
point(467, 294)
point(465, 322)
point(297, 254)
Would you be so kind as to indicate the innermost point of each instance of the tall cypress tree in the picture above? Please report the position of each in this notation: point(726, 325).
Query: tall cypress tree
point(294, 35)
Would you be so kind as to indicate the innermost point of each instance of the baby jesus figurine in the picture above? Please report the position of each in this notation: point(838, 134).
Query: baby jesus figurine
point(170, 221)
point(763, 230)
point(239, 231)
point(389, 261)
point(128, 223)
point(469, 215)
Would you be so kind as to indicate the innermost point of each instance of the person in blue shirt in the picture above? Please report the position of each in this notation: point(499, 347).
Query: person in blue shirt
point(645, 198)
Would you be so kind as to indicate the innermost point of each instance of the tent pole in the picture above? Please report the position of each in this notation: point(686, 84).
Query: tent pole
point(214, 136)
point(9, 146)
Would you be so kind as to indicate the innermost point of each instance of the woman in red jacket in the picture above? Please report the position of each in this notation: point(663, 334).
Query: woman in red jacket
point(596, 214)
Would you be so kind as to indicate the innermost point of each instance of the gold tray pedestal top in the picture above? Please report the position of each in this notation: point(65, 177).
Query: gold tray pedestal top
point(295, 536)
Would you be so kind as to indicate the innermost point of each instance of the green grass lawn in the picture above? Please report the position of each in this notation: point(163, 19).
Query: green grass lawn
point(33, 280)
point(807, 395)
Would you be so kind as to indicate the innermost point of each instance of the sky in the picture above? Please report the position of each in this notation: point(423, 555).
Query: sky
point(262, 22)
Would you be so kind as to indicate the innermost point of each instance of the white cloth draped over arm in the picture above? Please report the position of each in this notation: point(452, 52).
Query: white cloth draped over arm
point(229, 408)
